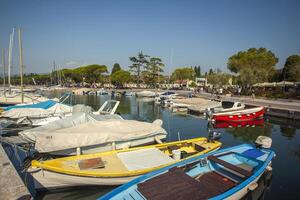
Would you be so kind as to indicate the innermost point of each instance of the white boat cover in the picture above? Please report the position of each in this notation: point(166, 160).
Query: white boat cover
point(71, 121)
point(95, 133)
point(145, 93)
point(144, 158)
point(57, 109)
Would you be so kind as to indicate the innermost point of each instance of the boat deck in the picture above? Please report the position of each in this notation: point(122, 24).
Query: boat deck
point(176, 184)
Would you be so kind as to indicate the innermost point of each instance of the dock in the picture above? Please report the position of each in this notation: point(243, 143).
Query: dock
point(197, 104)
point(277, 108)
point(289, 109)
point(11, 184)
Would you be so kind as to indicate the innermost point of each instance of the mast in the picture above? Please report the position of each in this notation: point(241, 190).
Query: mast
point(3, 65)
point(11, 44)
point(21, 65)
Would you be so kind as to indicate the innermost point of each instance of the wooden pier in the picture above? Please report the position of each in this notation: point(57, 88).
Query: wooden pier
point(11, 184)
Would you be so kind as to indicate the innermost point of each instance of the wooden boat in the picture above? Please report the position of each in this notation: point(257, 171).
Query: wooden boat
point(241, 115)
point(226, 174)
point(115, 167)
point(238, 124)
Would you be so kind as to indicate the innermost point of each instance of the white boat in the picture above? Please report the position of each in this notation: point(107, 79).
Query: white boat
point(92, 93)
point(225, 106)
point(165, 98)
point(15, 98)
point(114, 167)
point(102, 92)
point(77, 135)
point(145, 93)
point(129, 94)
point(109, 107)
point(179, 107)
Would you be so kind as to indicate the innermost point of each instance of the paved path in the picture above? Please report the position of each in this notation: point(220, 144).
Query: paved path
point(11, 184)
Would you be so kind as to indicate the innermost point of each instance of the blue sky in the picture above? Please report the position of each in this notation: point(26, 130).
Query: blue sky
point(182, 33)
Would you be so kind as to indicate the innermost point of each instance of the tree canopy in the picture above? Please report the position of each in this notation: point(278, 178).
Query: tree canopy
point(197, 70)
point(153, 69)
point(119, 78)
point(115, 68)
point(91, 73)
point(138, 62)
point(218, 78)
point(253, 65)
point(291, 68)
point(183, 73)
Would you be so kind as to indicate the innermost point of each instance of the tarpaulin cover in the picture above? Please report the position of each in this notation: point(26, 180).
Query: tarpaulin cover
point(95, 133)
point(56, 109)
point(43, 105)
point(74, 120)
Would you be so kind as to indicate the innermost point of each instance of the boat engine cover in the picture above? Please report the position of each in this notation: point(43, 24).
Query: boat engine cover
point(264, 141)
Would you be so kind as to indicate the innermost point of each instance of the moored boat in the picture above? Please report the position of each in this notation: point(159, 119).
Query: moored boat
point(238, 124)
point(224, 106)
point(81, 135)
point(240, 115)
point(115, 167)
point(145, 93)
point(225, 174)
point(179, 107)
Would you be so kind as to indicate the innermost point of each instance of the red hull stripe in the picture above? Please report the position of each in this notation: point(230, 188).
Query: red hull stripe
point(239, 116)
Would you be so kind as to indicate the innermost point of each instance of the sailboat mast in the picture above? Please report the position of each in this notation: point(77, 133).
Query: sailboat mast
point(10, 56)
point(21, 65)
point(3, 65)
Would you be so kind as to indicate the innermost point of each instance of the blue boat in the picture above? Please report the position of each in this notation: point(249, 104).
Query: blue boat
point(43, 105)
point(225, 174)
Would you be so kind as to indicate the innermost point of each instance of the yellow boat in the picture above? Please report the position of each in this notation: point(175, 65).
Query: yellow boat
point(115, 167)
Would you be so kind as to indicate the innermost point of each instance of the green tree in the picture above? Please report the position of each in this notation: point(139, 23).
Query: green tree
point(253, 65)
point(138, 62)
point(183, 73)
point(197, 71)
point(154, 68)
point(115, 68)
point(119, 78)
point(91, 73)
point(218, 78)
point(291, 68)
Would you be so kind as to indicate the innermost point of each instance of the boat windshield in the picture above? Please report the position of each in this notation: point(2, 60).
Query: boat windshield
point(227, 104)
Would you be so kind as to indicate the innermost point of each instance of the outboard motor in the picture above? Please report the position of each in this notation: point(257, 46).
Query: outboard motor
point(214, 135)
point(263, 141)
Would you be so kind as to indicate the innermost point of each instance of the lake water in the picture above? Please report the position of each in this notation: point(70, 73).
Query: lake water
point(285, 134)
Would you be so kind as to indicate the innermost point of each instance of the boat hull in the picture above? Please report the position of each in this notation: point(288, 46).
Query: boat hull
point(238, 124)
point(53, 180)
point(239, 115)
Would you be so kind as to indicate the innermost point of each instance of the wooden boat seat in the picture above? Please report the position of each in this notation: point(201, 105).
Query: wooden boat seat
point(175, 184)
point(230, 166)
point(92, 163)
point(198, 147)
point(173, 147)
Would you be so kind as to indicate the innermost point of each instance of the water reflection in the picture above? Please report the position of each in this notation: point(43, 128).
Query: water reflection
point(248, 134)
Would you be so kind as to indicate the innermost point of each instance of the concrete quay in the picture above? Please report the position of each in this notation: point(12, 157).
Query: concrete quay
point(278, 108)
point(11, 184)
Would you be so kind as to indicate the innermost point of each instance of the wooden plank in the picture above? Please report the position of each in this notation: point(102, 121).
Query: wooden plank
point(230, 166)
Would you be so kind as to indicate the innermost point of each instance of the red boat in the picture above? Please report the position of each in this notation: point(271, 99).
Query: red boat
point(240, 115)
point(235, 124)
